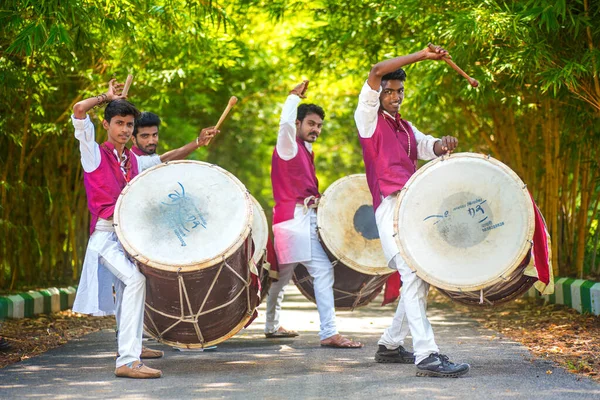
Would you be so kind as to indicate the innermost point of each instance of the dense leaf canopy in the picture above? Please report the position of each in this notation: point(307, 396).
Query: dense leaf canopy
point(536, 109)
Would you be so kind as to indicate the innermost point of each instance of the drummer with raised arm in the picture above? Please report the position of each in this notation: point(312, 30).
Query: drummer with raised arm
point(107, 169)
point(296, 193)
point(391, 147)
point(145, 139)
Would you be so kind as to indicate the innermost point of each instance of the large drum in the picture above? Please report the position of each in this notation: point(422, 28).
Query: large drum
point(187, 224)
point(348, 233)
point(260, 236)
point(465, 224)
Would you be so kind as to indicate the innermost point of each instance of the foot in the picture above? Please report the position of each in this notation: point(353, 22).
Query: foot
point(137, 371)
point(151, 353)
point(397, 355)
point(281, 333)
point(4, 345)
point(341, 342)
point(439, 365)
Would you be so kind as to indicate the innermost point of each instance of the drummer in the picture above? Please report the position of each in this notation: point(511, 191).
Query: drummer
point(391, 147)
point(107, 169)
point(296, 193)
point(145, 139)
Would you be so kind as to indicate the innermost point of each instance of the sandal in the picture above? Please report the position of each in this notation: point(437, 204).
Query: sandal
point(341, 342)
point(281, 333)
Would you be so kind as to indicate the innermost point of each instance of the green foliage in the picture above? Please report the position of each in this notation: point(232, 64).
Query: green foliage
point(539, 99)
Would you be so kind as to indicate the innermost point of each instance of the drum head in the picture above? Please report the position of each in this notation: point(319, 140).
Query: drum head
point(347, 226)
point(260, 231)
point(464, 222)
point(183, 214)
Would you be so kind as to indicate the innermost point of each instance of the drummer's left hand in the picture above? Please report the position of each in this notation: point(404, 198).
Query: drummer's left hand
point(445, 146)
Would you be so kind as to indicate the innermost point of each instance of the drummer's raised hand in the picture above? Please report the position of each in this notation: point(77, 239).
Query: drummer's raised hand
point(445, 146)
point(114, 90)
point(206, 135)
point(300, 89)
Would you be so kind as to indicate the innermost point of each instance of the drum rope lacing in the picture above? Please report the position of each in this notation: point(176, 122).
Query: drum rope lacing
point(193, 317)
point(315, 203)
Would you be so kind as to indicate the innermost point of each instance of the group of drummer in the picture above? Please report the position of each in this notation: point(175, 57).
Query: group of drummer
point(391, 147)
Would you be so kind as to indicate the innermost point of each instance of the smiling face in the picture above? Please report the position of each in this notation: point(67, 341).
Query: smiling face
point(309, 128)
point(391, 96)
point(119, 129)
point(146, 139)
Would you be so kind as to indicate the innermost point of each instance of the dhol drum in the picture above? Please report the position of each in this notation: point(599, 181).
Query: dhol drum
point(260, 236)
point(187, 224)
point(465, 224)
point(348, 233)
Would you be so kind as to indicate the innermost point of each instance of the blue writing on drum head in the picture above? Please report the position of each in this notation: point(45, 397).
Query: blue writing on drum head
point(182, 213)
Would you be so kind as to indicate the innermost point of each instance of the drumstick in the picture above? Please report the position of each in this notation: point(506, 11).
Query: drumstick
point(230, 105)
point(127, 85)
point(451, 63)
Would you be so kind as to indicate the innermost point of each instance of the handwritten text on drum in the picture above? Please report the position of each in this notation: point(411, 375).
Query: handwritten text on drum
point(182, 213)
point(475, 210)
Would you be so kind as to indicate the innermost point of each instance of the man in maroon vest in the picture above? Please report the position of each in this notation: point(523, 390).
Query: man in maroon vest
point(391, 147)
point(296, 193)
point(107, 169)
point(145, 139)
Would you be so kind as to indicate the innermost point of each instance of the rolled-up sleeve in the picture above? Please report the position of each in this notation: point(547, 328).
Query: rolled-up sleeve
point(425, 144)
point(90, 151)
point(145, 162)
point(365, 115)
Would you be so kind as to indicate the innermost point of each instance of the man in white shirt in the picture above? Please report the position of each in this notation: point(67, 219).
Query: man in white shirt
point(107, 169)
point(296, 193)
point(391, 147)
point(145, 139)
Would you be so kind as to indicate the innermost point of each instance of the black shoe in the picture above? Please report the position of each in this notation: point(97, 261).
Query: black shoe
point(398, 355)
point(4, 345)
point(440, 366)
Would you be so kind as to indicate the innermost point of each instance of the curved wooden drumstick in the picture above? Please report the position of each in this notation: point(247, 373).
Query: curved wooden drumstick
point(127, 85)
point(230, 105)
point(451, 63)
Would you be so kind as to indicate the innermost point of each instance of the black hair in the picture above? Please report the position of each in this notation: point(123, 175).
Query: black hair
point(146, 119)
point(397, 75)
point(122, 108)
point(305, 109)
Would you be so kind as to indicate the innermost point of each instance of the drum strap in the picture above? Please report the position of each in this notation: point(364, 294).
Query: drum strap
point(308, 205)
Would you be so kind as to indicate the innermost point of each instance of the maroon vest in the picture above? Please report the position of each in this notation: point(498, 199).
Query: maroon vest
point(387, 163)
point(293, 181)
point(103, 185)
point(136, 150)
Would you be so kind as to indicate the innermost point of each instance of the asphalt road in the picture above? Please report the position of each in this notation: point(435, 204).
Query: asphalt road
point(249, 366)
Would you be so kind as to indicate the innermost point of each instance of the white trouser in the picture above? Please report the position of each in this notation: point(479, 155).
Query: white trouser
point(411, 313)
point(321, 270)
point(130, 288)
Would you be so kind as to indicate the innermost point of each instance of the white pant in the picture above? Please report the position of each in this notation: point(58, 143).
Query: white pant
point(321, 270)
point(411, 314)
point(130, 288)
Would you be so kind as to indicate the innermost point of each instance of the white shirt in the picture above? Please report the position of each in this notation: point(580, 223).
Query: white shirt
point(292, 237)
point(365, 117)
point(90, 150)
point(287, 147)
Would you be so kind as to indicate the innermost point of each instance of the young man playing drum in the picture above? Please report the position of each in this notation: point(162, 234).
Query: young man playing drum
point(296, 193)
point(107, 169)
point(145, 139)
point(391, 147)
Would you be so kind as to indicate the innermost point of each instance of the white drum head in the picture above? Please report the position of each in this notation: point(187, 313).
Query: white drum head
point(347, 226)
point(184, 214)
point(464, 222)
point(260, 230)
